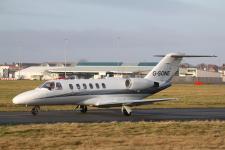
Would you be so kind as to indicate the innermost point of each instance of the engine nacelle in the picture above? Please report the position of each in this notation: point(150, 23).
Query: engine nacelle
point(140, 84)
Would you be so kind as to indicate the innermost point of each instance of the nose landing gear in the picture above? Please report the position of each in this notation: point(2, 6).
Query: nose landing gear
point(35, 110)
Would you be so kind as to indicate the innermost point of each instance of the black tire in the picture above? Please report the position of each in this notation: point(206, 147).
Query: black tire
point(34, 111)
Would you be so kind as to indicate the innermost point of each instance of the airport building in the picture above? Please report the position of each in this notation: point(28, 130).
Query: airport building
point(191, 75)
point(222, 71)
point(85, 70)
point(36, 73)
point(8, 71)
point(96, 70)
point(4, 71)
point(195, 72)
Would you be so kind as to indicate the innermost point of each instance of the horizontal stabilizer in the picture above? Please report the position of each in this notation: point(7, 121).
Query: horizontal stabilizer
point(181, 56)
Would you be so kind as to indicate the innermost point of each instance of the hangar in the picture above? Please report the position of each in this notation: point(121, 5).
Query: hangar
point(86, 70)
point(96, 70)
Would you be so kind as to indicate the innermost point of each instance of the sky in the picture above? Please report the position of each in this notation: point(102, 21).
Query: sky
point(111, 30)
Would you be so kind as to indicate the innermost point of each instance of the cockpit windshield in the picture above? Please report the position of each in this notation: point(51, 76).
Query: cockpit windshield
point(48, 85)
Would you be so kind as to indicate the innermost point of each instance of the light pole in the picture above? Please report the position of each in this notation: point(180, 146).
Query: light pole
point(65, 54)
point(19, 56)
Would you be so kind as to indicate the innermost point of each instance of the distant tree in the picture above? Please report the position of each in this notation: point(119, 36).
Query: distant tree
point(202, 66)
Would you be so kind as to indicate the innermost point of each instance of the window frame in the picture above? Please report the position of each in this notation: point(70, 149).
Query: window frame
point(48, 86)
point(84, 86)
point(91, 86)
point(97, 86)
point(103, 85)
point(71, 86)
point(78, 86)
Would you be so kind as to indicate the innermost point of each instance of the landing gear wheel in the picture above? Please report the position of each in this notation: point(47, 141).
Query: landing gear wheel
point(34, 110)
point(126, 111)
point(83, 108)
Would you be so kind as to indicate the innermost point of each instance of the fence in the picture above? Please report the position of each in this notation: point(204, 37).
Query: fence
point(207, 80)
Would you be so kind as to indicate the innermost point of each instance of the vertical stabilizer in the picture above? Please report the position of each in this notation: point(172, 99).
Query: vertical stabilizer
point(165, 69)
point(168, 66)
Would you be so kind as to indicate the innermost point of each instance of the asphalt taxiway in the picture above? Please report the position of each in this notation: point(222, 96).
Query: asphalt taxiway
point(111, 115)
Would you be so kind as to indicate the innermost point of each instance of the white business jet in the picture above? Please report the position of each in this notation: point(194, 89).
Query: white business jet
point(108, 92)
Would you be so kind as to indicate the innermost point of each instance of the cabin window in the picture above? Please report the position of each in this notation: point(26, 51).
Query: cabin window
point(103, 85)
point(91, 86)
point(84, 86)
point(71, 86)
point(58, 86)
point(128, 83)
point(97, 85)
point(78, 86)
point(48, 85)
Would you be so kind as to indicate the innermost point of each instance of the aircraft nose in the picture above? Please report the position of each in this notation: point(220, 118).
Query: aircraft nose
point(29, 97)
point(23, 98)
point(18, 99)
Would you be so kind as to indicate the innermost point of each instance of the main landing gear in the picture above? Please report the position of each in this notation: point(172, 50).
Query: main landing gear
point(35, 110)
point(126, 110)
point(81, 108)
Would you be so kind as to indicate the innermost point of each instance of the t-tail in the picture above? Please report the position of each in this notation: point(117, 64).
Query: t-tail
point(165, 70)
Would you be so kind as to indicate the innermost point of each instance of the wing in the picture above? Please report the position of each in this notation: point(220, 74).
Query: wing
point(119, 102)
point(149, 101)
